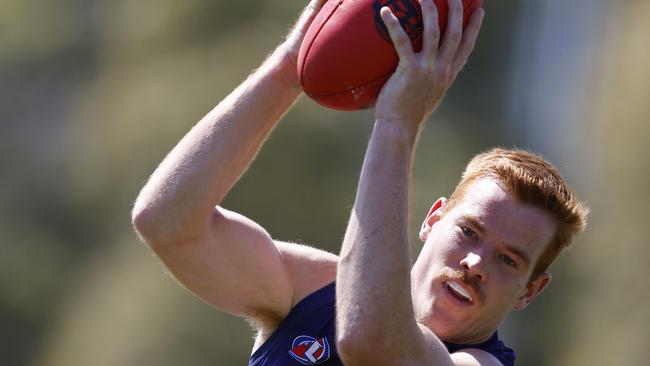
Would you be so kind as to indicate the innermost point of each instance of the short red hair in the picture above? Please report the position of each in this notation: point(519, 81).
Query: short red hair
point(534, 181)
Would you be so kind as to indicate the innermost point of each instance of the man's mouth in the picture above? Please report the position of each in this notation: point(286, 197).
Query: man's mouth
point(459, 292)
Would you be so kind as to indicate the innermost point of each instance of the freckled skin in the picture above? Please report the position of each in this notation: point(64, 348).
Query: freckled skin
point(497, 277)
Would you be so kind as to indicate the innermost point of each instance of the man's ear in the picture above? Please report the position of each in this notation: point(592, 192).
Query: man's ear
point(533, 290)
point(435, 213)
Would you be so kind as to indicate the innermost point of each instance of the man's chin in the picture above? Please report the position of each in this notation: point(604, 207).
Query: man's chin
point(445, 315)
point(449, 322)
point(444, 323)
point(454, 326)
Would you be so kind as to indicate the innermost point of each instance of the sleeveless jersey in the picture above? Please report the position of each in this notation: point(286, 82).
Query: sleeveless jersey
point(307, 337)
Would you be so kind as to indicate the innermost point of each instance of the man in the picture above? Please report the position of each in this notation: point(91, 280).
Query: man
point(486, 250)
point(288, 290)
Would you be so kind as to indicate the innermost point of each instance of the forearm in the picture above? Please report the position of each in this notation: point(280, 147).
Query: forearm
point(373, 283)
point(375, 317)
point(178, 200)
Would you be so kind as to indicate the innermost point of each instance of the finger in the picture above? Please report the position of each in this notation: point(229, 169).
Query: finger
point(401, 41)
point(431, 37)
point(454, 32)
point(306, 17)
point(469, 40)
point(316, 4)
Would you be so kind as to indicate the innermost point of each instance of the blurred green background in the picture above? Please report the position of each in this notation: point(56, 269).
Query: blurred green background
point(94, 93)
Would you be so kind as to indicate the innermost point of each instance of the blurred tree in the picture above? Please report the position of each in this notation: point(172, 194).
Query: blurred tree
point(93, 94)
point(556, 58)
point(609, 316)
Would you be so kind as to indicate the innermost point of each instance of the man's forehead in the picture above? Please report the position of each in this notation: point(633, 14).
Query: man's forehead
point(484, 193)
point(502, 216)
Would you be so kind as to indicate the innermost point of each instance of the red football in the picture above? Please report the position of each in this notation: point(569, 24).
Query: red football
point(347, 55)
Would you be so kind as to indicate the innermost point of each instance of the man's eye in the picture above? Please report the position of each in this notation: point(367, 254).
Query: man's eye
point(468, 232)
point(508, 261)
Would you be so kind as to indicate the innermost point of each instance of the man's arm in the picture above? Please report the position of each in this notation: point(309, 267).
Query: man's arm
point(221, 256)
point(375, 319)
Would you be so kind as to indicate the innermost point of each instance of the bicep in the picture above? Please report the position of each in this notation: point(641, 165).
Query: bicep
point(238, 268)
point(234, 266)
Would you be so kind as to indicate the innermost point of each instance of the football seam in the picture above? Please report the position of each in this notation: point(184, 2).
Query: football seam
point(362, 86)
point(365, 85)
point(311, 44)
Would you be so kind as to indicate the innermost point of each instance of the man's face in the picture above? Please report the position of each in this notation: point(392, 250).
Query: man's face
point(476, 262)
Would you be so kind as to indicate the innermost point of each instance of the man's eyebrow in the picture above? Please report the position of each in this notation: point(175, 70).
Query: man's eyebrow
point(476, 224)
point(481, 229)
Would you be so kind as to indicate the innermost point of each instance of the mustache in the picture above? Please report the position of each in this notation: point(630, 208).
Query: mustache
point(452, 274)
point(448, 274)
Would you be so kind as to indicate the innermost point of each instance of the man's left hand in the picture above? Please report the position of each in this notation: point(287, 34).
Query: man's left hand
point(421, 79)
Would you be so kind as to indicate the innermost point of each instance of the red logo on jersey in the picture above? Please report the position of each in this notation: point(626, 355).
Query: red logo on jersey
point(310, 351)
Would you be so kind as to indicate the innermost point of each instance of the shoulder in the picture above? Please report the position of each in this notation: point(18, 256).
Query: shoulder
point(474, 357)
point(310, 269)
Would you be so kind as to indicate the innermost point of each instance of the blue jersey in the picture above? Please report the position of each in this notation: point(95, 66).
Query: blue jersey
point(307, 337)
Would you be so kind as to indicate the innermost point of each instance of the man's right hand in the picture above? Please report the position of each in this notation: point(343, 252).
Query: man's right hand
point(289, 49)
point(221, 256)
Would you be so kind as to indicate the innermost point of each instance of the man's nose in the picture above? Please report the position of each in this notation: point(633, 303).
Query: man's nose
point(474, 266)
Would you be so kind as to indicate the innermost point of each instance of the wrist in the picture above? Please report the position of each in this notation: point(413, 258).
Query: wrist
point(400, 112)
point(398, 129)
point(283, 62)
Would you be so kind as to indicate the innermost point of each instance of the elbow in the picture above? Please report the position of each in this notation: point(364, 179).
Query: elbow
point(370, 344)
point(143, 222)
point(161, 229)
point(359, 347)
point(149, 225)
point(347, 350)
point(358, 351)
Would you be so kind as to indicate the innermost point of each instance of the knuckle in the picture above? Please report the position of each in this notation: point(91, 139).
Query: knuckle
point(409, 65)
point(442, 75)
point(418, 70)
point(433, 28)
point(428, 5)
point(430, 69)
point(455, 36)
point(401, 42)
